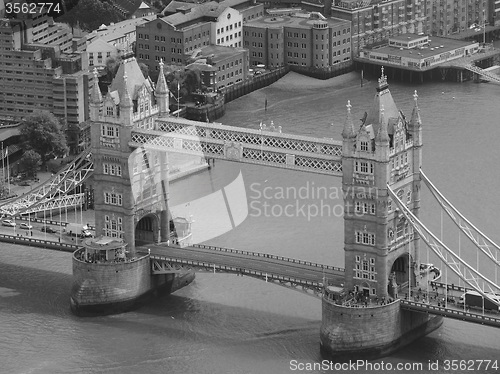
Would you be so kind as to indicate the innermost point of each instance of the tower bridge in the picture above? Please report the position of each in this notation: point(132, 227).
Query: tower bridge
point(133, 140)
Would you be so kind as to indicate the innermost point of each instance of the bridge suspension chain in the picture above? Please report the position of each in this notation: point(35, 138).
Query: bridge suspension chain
point(66, 180)
point(480, 240)
point(462, 269)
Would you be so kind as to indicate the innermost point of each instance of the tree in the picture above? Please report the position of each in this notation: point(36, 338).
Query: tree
point(112, 66)
point(145, 69)
point(192, 80)
point(90, 14)
point(29, 162)
point(43, 133)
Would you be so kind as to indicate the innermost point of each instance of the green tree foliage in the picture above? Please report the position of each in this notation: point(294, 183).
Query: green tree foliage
point(184, 81)
point(145, 69)
point(29, 162)
point(43, 133)
point(112, 65)
point(192, 80)
point(90, 14)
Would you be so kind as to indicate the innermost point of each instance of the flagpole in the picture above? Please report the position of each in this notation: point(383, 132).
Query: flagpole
point(8, 169)
point(3, 171)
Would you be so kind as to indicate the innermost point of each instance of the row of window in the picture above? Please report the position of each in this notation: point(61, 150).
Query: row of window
point(400, 196)
point(399, 160)
point(235, 62)
point(365, 208)
point(111, 131)
point(112, 169)
point(363, 237)
point(113, 227)
point(229, 27)
point(229, 37)
point(364, 268)
point(229, 75)
point(363, 167)
point(112, 198)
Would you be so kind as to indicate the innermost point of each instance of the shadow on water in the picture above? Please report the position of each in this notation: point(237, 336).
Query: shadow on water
point(40, 291)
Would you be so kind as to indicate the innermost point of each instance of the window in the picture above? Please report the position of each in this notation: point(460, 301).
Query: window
point(363, 167)
point(364, 145)
point(363, 237)
point(113, 198)
point(365, 268)
point(113, 227)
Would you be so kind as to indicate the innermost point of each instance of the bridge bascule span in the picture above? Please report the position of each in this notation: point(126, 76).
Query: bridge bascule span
point(467, 273)
point(304, 276)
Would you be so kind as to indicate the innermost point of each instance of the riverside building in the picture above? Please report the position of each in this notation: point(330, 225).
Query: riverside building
point(301, 39)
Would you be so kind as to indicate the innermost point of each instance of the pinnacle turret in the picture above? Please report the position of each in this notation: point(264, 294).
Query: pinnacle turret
point(125, 100)
point(96, 96)
point(161, 84)
point(415, 120)
point(348, 131)
point(382, 135)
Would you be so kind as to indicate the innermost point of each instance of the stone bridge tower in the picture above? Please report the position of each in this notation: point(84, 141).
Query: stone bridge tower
point(381, 251)
point(129, 203)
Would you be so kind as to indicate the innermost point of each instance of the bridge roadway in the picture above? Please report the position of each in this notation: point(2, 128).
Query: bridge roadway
point(455, 312)
point(283, 270)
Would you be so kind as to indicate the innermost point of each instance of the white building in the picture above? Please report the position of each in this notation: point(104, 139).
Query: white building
point(227, 29)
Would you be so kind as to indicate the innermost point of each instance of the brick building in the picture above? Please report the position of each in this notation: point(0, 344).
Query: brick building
point(187, 28)
point(373, 22)
point(308, 40)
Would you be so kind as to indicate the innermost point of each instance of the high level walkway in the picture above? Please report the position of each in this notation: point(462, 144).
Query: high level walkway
point(305, 276)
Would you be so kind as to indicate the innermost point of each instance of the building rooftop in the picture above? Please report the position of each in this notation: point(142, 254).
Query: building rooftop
point(436, 46)
point(135, 80)
point(116, 30)
point(219, 52)
point(301, 20)
point(104, 243)
point(212, 9)
point(407, 37)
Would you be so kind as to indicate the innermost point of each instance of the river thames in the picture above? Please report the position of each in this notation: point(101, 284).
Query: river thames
point(235, 325)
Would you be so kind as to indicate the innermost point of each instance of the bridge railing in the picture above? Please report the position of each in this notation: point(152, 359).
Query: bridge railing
point(266, 255)
point(48, 221)
point(239, 270)
point(459, 314)
point(29, 241)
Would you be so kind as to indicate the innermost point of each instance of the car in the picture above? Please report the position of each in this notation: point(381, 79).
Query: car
point(48, 229)
point(8, 222)
point(25, 226)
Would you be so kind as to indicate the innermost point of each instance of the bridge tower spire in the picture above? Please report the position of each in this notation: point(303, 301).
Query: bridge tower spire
point(380, 250)
point(96, 101)
point(162, 92)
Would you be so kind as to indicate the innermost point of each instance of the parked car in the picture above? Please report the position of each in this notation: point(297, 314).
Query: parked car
point(8, 222)
point(48, 229)
point(25, 226)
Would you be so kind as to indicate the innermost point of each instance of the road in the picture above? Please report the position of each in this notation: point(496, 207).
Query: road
point(271, 265)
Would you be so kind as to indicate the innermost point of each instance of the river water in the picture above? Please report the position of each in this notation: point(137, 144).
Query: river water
point(230, 324)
